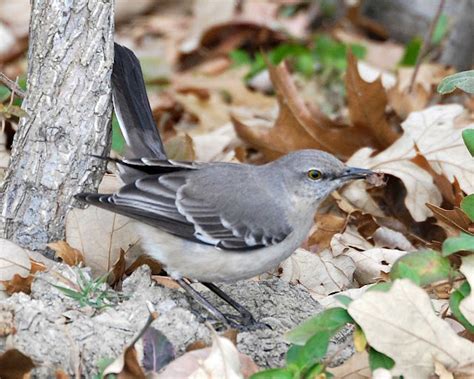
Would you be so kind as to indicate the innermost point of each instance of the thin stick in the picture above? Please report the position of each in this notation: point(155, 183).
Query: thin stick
point(151, 317)
point(12, 85)
point(426, 44)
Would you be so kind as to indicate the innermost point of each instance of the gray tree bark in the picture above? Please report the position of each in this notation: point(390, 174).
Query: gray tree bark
point(69, 109)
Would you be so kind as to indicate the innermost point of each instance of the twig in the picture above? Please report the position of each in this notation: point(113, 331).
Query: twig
point(151, 317)
point(12, 85)
point(426, 44)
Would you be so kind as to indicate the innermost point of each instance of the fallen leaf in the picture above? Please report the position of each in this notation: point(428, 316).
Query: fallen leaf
point(455, 218)
point(223, 361)
point(66, 253)
point(157, 350)
point(434, 134)
point(321, 274)
point(13, 260)
point(467, 305)
point(296, 127)
point(118, 270)
point(369, 264)
point(100, 234)
point(326, 226)
point(126, 366)
point(366, 103)
point(18, 284)
point(60, 374)
point(405, 313)
point(15, 365)
point(356, 367)
point(154, 265)
point(180, 148)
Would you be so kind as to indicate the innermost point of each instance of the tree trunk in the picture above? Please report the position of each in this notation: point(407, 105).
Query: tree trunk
point(69, 109)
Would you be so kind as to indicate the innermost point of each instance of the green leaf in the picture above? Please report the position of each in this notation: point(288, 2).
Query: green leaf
point(440, 30)
point(314, 371)
point(240, 57)
point(468, 137)
point(317, 346)
point(69, 292)
point(467, 205)
point(12, 110)
point(463, 80)
point(343, 299)
point(330, 320)
point(118, 142)
point(464, 242)
point(412, 49)
point(379, 360)
point(305, 64)
point(274, 373)
point(456, 297)
point(423, 267)
point(4, 93)
point(382, 287)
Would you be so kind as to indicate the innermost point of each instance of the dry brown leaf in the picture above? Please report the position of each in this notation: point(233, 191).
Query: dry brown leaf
point(180, 148)
point(405, 313)
point(61, 374)
point(367, 102)
point(126, 366)
point(455, 218)
point(321, 274)
point(434, 134)
point(18, 284)
point(356, 367)
point(326, 226)
point(166, 281)
point(154, 265)
point(296, 127)
point(66, 253)
point(15, 365)
point(118, 270)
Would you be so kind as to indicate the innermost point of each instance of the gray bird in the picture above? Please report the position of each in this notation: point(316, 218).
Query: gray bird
point(212, 222)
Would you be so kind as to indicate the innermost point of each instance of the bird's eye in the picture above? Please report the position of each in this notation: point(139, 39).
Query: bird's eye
point(315, 174)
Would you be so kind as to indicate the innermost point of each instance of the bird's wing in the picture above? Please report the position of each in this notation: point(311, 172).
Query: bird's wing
point(199, 205)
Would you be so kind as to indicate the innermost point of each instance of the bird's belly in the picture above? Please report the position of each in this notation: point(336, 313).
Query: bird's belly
point(206, 263)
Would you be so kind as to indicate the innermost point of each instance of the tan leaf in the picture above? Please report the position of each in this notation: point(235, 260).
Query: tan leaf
point(296, 127)
point(13, 260)
point(405, 313)
point(326, 226)
point(223, 361)
point(467, 305)
point(356, 367)
point(453, 217)
point(154, 265)
point(321, 274)
point(66, 253)
point(7, 320)
point(126, 366)
point(15, 365)
point(367, 102)
point(180, 148)
point(433, 134)
point(118, 270)
point(100, 234)
point(18, 284)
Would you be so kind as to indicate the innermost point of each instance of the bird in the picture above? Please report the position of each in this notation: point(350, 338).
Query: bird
point(212, 222)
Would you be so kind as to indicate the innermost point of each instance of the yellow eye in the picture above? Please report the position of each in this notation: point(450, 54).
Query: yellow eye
point(314, 174)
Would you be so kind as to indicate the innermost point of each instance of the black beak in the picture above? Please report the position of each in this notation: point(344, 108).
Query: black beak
point(355, 173)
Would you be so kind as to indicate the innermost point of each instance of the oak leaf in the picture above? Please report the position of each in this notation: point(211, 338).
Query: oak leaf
point(66, 253)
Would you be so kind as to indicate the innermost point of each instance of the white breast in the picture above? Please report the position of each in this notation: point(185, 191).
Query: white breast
point(206, 263)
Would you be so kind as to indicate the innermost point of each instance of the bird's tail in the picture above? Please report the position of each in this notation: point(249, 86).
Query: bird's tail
point(132, 107)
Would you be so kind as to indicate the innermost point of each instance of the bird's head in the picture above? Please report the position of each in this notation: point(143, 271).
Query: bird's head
point(314, 174)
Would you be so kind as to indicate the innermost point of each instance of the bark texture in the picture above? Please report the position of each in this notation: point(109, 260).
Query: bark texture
point(69, 109)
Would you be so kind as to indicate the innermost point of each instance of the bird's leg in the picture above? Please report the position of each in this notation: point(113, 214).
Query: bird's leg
point(202, 301)
point(247, 317)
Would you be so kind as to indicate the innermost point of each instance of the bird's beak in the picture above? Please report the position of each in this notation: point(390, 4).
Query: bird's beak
point(355, 173)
